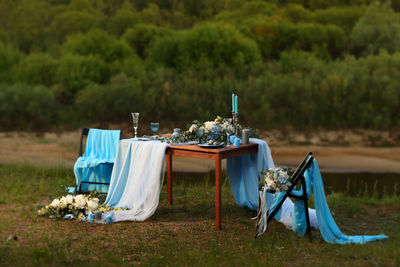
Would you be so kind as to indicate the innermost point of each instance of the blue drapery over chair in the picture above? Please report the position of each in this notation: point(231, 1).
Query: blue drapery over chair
point(312, 183)
point(93, 168)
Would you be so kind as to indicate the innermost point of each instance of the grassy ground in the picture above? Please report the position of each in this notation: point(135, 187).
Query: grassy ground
point(182, 234)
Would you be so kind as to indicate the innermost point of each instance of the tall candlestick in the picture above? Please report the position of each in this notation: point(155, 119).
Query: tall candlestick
point(233, 102)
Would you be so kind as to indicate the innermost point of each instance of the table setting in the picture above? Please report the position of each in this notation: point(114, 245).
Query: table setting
point(141, 163)
point(139, 168)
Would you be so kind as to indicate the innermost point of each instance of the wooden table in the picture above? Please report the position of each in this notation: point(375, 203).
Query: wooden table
point(207, 153)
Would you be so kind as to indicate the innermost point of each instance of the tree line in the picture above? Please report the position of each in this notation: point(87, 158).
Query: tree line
point(299, 63)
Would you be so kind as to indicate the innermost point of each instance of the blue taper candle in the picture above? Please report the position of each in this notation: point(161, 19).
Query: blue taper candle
point(236, 105)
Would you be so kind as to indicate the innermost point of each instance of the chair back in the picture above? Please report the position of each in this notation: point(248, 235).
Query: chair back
point(84, 136)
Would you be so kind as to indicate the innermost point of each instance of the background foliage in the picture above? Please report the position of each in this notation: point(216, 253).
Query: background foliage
point(296, 63)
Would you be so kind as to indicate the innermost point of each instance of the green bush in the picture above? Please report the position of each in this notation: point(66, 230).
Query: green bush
point(72, 22)
point(378, 28)
point(98, 43)
point(275, 36)
point(36, 68)
point(131, 66)
point(209, 45)
point(344, 17)
point(3, 37)
point(27, 25)
point(8, 58)
point(141, 37)
point(123, 20)
point(297, 13)
point(26, 107)
point(111, 102)
point(74, 72)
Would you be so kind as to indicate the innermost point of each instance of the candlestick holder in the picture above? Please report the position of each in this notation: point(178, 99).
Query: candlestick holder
point(235, 118)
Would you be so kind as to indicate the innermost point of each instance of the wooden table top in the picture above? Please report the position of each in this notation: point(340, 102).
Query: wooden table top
point(223, 152)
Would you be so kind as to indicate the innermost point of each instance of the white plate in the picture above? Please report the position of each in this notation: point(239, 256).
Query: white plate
point(211, 146)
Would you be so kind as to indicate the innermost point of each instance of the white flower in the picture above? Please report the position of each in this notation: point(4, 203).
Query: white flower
point(68, 199)
point(80, 201)
point(92, 205)
point(55, 203)
point(208, 125)
point(193, 128)
point(269, 183)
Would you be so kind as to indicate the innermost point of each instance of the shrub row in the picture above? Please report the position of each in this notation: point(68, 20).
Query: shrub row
point(300, 90)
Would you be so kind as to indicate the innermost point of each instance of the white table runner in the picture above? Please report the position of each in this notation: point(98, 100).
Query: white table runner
point(136, 179)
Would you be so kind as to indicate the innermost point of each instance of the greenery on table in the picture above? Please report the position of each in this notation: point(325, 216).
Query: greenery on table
point(215, 131)
point(182, 233)
point(304, 64)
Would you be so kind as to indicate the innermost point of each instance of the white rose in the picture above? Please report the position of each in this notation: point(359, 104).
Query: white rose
point(69, 199)
point(80, 201)
point(55, 203)
point(92, 205)
point(193, 128)
point(64, 201)
point(208, 125)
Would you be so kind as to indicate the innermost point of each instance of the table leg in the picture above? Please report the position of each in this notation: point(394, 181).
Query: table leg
point(218, 193)
point(169, 178)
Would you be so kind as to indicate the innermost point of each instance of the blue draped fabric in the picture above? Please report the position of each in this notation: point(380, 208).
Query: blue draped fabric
point(277, 198)
point(327, 225)
point(299, 224)
point(101, 147)
point(243, 171)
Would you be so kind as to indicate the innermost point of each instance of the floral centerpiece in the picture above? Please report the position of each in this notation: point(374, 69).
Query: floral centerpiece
point(74, 206)
point(277, 179)
point(215, 130)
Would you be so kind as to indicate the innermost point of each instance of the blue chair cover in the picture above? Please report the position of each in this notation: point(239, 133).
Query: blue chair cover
point(243, 174)
point(101, 147)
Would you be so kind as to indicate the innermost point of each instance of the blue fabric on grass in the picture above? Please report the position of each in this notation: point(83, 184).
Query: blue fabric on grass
point(243, 171)
point(101, 147)
point(327, 225)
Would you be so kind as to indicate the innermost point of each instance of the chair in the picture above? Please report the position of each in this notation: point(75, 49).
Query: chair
point(94, 166)
point(309, 176)
point(298, 178)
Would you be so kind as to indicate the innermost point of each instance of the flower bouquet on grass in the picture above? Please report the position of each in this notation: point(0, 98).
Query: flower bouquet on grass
point(73, 207)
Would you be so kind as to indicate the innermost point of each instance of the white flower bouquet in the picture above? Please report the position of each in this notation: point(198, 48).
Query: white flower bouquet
point(215, 130)
point(73, 206)
point(277, 179)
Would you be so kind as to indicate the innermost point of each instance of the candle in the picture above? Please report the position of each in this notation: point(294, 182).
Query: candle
point(233, 103)
point(236, 105)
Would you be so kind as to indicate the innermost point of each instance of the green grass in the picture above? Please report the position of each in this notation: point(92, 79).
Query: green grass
point(181, 234)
